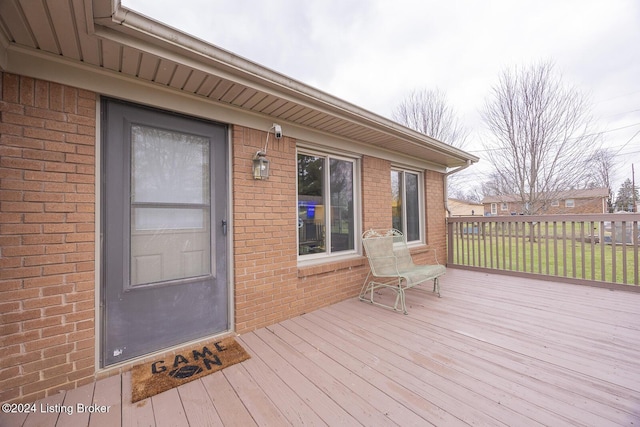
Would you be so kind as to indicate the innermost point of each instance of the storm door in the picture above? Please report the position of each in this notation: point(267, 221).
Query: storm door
point(164, 198)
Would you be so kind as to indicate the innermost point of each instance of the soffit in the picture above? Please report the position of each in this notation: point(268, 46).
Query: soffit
point(104, 35)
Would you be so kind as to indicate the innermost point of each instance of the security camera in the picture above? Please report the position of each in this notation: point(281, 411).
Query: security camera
point(277, 131)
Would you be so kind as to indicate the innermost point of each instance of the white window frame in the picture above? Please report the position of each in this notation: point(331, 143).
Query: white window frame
point(357, 197)
point(555, 203)
point(421, 204)
point(570, 203)
point(494, 208)
point(504, 206)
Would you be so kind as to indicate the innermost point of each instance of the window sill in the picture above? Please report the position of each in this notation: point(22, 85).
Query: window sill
point(315, 267)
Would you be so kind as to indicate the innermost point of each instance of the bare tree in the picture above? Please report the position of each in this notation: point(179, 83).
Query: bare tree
point(541, 136)
point(428, 112)
point(600, 167)
point(496, 185)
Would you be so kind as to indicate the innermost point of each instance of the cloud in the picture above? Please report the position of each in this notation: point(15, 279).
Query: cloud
point(372, 53)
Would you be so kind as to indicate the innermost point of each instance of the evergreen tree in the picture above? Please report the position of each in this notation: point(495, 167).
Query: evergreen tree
point(625, 197)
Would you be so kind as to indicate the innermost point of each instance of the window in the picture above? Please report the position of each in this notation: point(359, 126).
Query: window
point(326, 205)
point(406, 209)
point(569, 203)
point(555, 203)
point(170, 205)
point(504, 206)
point(494, 208)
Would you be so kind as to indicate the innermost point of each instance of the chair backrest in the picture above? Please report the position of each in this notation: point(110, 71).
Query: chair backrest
point(386, 251)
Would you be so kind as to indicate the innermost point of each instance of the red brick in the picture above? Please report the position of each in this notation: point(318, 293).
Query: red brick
point(10, 262)
point(15, 163)
point(58, 269)
point(7, 151)
point(38, 324)
point(10, 88)
point(61, 147)
point(20, 338)
point(27, 90)
point(32, 196)
point(59, 207)
point(21, 207)
point(57, 290)
point(9, 184)
point(43, 260)
point(43, 239)
point(10, 285)
point(41, 95)
point(70, 99)
point(61, 249)
point(44, 134)
point(89, 140)
point(16, 251)
point(18, 141)
point(58, 228)
point(60, 167)
point(82, 120)
point(9, 307)
point(45, 343)
point(45, 114)
point(43, 281)
point(29, 124)
point(43, 217)
point(44, 176)
point(9, 129)
point(18, 316)
point(12, 196)
point(50, 156)
point(20, 228)
point(61, 126)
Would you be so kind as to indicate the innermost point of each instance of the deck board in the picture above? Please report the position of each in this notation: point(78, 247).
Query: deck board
point(82, 395)
point(198, 406)
point(231, 410)
point(108, 393)
point(168, 409)
point(139, 414)
point(494, 350)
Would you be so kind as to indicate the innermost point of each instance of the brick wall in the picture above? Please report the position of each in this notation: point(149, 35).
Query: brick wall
point(47, 200)
point(436, 220)
point(376, 193)
point(264, 227)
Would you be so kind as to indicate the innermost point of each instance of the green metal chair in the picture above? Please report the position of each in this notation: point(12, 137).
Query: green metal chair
point(392, 267)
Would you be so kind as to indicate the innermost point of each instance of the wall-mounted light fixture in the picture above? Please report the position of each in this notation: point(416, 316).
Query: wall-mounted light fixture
point(260, 162)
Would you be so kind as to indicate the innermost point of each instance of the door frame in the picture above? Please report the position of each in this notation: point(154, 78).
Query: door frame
point(100, 170)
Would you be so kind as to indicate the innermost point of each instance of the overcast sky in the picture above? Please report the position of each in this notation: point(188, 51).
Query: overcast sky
point(373, 53)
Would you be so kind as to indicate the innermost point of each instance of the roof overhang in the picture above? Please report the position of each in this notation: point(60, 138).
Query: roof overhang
point(102, 36)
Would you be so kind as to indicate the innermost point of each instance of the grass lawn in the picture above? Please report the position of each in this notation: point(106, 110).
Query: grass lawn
point(548, 255)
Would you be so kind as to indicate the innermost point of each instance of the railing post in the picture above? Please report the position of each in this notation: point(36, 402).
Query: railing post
point(449, 242)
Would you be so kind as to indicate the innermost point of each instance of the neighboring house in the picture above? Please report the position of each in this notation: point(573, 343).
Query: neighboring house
point(131, 222)
point(464, 208)
point(589, 201)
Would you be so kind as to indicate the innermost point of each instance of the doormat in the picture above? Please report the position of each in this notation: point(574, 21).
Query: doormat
point(151, 378)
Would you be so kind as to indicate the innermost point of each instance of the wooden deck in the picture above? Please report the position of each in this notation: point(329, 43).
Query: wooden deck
point(494, 350)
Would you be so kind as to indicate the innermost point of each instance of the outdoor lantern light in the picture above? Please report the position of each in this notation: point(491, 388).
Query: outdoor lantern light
point(260, 166)
point(260, 162)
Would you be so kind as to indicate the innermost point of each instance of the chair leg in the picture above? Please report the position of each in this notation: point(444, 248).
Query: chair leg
point(436, 287)
point(404, 302)
point(364, 289)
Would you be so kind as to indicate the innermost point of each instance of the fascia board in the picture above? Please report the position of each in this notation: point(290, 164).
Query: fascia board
point(55, 68)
